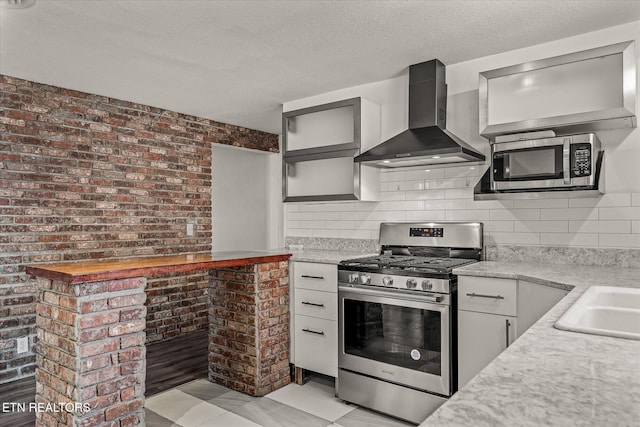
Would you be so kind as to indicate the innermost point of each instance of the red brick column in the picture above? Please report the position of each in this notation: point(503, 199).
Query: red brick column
point(249, 327)
point(90, 353)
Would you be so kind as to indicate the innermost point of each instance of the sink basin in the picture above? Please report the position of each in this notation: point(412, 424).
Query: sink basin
point(605, 310)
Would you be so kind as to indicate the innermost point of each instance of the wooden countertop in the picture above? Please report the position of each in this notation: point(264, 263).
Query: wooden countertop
point(93, 271)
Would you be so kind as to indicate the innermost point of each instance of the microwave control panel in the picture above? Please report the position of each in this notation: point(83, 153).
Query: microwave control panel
point(580, 160)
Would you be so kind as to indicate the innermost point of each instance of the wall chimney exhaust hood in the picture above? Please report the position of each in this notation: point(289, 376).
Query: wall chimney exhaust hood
point(427, 141)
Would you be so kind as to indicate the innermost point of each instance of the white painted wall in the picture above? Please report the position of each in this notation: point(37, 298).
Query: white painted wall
point(446, 193)
point(245, 215)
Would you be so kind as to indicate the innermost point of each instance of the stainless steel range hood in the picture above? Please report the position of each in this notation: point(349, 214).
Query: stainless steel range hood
point(426, 141)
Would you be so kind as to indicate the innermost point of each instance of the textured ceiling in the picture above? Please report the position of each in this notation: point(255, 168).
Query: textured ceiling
point(238, 61)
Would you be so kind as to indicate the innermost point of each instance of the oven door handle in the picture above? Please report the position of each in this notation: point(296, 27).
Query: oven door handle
point(376, 293)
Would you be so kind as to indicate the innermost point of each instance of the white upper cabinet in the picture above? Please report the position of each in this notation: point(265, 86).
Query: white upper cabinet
point(584, 91)
point(320, 143)
point(350, 124)
point(303, 178)
point(332, 129)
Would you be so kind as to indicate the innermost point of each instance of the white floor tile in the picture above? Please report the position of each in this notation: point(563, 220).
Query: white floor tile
point(182, 408)
point(316, 399)
point(229, 419)
point(321, 387)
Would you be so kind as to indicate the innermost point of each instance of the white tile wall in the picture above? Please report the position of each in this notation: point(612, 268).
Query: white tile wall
point(446, 193)
point(439, 193)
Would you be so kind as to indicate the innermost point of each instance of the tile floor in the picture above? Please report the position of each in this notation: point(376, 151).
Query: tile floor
point(200, 403)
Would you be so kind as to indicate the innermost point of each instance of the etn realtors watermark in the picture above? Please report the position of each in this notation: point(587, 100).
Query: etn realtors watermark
point(70, 407)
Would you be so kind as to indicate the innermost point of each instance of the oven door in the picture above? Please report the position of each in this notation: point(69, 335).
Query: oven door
point(400, 338)
point(532, 164)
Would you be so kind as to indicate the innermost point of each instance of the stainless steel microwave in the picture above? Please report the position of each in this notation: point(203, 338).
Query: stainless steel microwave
point(556, 163)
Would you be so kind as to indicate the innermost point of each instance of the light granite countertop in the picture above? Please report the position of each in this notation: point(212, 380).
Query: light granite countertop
point(550, 377)
point(325, 256)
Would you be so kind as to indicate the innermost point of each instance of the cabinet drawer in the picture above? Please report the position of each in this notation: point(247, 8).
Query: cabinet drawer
point(316, 304)
point(316, 345)
point(319, 277)
point(487, 295)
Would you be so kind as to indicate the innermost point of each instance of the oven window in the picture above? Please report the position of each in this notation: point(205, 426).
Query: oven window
point(528, 164)
point(401, 336)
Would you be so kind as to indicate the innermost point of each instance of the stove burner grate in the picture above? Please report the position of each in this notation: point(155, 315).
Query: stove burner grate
point(406, 262)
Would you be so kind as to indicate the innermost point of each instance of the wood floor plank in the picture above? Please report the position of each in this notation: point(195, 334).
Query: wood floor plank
point(177, 361)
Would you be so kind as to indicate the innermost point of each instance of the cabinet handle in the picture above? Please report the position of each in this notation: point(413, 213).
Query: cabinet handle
point(485, 296)
point(507, 324)
point(566, 160)
point(312, 303)
point(311, 331)
point(308, 276)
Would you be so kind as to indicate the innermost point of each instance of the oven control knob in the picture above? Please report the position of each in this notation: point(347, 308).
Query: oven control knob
point(427, 285)
point(412, 283)
point(353, 278)
point(365, 280)
point(387, 281)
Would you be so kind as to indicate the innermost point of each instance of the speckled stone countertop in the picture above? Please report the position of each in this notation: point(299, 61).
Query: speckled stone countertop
point(549, 377)
point(325, 256)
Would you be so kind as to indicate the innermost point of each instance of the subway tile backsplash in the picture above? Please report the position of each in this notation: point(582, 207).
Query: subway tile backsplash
point(446, 193)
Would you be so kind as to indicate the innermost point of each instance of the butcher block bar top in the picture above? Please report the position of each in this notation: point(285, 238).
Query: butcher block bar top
point(93, 271)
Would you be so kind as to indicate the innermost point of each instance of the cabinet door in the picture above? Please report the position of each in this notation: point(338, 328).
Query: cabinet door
point(317, 345)
point(324, 127)
point(321, 179)
point(481, 338)
point(586, 89)
point(534, 301)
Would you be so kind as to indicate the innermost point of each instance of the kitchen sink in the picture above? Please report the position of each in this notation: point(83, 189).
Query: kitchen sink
point(605, 310)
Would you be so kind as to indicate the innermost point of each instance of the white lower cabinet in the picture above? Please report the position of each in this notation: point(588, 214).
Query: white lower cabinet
point(492, 314)
point(481, 338)
point(314, 317)
point(317, 345)
point(534, 301)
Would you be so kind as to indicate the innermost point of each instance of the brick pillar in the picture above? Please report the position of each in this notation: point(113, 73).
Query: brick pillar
point(249, 327)
point(90, 353)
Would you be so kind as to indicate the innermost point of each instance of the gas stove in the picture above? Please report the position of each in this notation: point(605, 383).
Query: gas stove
point(397, 332)
point(416, 257)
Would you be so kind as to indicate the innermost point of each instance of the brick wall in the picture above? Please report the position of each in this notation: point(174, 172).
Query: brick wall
point(84, 176)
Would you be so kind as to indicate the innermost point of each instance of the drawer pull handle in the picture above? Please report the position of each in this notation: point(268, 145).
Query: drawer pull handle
point(485, 296)
point(312, 303)
point(508, 324)
point(311, 331)
point(308, 276)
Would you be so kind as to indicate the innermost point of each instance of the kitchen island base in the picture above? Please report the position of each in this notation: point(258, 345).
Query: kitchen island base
point(90, 354)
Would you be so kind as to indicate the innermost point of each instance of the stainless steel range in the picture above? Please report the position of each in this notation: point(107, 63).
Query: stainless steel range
point(397, 318)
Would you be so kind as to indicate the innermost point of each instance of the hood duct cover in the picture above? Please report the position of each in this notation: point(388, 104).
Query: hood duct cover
point(426, 141)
